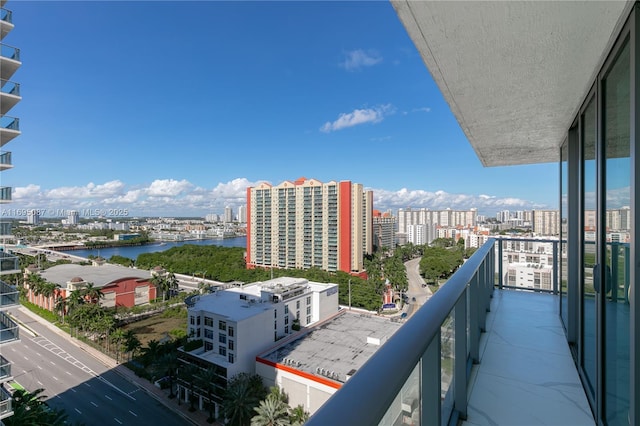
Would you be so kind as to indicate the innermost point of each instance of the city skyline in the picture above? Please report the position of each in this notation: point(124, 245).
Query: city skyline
point(183, 106)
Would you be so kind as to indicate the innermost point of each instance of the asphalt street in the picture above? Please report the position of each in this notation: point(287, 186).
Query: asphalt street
point(90, 392)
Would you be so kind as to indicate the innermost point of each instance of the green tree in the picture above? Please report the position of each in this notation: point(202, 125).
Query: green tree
point(298, 416)
point(29, 409)
point(271, 412)
point(244, 392)
point(207, 381)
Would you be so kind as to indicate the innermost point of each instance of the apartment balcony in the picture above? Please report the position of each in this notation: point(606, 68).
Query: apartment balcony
point(5, 194)
point(5, 403)
point(9, 95)
point(9, 61)
point(9, 264)
point(5, 369)
point(8, 329)
point(6, 22)
point(9, 296)
point(473, 354)
point(9, 128)
point(5, 160)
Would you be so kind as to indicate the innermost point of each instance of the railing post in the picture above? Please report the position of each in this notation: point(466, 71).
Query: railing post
point(483, 298)
point(499, 243)
point(626, 272)
point(474, 328)
point(460, 360)
point(555, 267)
point(431, 385)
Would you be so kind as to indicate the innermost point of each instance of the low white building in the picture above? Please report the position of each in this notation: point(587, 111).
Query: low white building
point(238, 323)
point(311, 367)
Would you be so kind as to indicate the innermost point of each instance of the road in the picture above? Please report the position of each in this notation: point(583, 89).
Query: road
point(89, 391)
point(422, 294)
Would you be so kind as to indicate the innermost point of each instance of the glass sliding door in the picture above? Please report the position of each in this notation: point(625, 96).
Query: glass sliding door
point(616, 235)
point(588, 324)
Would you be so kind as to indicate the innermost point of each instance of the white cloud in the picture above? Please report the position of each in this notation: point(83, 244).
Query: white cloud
point(357, 59)
point(171, 197)
point(168, 187)
point(358, 116)
point(26, 192)
point(440, 200)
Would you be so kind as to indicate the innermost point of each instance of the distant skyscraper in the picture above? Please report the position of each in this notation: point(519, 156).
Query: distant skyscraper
point(384, 225)
point(72, 217)
point(242, 214)
point(308, 223)
point(211, 217)
point(546, 222)
point(228, 214)
point(33, 217)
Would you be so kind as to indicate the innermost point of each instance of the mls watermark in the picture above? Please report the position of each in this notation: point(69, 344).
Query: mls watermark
point(51, 212)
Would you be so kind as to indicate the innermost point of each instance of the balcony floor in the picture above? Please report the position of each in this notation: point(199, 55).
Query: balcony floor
point(526, 374)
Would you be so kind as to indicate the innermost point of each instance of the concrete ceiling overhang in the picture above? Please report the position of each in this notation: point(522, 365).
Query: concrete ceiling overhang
point(514, 72)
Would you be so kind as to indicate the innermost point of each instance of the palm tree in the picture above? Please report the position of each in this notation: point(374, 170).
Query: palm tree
point(117, 337)
point(172, 283)
point(271, 412)
point(61, 306)
point(92, 293)
point(160, 283)
point(74, 300)
point(131, 343)
point(150, 352)
point(298, 416)
point(242, 395)
point(30, 409)
point(190, 375)
point(48, 290)
point(170, 361)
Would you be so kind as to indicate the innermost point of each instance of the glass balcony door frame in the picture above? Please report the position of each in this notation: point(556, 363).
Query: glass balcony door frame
point(573, 318)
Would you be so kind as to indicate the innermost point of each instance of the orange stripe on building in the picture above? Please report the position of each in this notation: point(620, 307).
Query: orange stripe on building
point(344, 217)
point(300, 373)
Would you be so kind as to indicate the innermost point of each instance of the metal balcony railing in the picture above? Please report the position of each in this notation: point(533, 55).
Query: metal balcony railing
point(8, 262)
point(9, 52)
point(8, 329)
point(6, 15)
point(5, 158)
point(5, 368)
point(428, 381)
point(5, 193)
point(9, 295)
point(432, 353)
point(10, 87)
point(6, 409)
point(10, 123)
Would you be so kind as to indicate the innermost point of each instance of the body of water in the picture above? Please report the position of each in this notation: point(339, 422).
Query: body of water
point(132, 252)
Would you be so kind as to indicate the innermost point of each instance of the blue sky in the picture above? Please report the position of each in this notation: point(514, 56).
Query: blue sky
point(174, 108)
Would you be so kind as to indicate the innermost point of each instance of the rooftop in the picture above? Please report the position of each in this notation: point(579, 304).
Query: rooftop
point(340, 345)
point(239, 303)
point(98, 275)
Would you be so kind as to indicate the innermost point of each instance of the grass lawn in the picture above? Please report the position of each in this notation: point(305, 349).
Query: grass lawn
point(156, 327)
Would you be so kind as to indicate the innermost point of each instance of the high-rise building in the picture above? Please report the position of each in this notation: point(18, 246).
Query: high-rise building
point(242, 214)
point(33, 217)
point(308, 223)
point(228, 214)
point(9, 129)
point(546, 222)
point(72, 217)
point(384, 225)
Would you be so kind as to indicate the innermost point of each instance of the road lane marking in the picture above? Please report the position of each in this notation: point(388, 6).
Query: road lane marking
point(54, 378)
point(68, 373)
point(93, 403)
point(79, 412)
point(26, 358)
point(39, 367)
point(39, 382)
point(87, 384)
point(107, 396)
point(73, 390)
point(117, 420)
point(133, 413)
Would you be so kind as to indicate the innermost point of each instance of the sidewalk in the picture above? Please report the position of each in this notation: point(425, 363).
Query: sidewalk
point(162, 396)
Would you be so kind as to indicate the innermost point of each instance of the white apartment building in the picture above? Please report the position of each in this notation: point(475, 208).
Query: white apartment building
point(546, 222)
point(238, 323)
point(72, 217)
point(421, 234)
point(444, 218)
point(33, 217)
point(242, 214)
point(228, 214)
